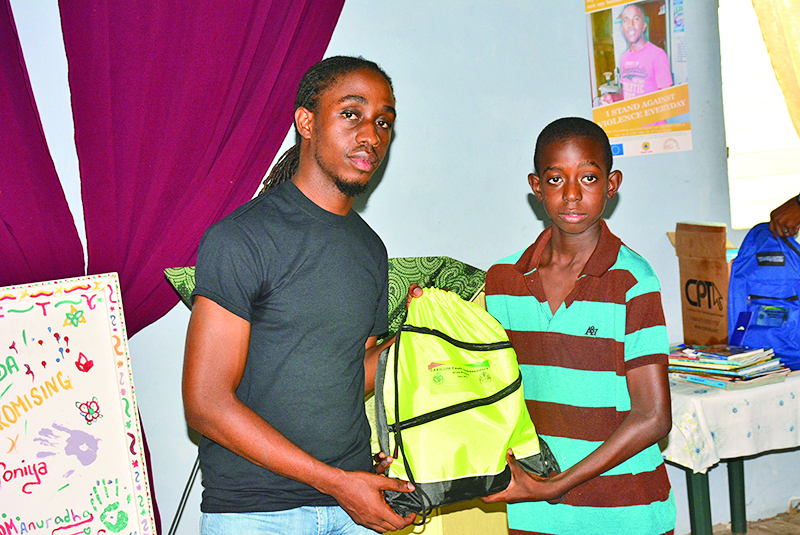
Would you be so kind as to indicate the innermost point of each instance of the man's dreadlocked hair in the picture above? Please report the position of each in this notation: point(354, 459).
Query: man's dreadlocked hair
point(567, 127)
point(315, 81)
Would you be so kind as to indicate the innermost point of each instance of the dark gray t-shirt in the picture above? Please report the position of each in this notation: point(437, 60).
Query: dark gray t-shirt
point(314, 287)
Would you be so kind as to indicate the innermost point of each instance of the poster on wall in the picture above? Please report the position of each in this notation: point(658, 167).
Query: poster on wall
point(71, 457)
point(639, 76)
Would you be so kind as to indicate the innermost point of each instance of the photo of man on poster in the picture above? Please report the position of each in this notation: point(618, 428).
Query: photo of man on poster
point(644, 67)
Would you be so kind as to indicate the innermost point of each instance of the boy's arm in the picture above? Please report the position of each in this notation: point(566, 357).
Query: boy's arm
point(649, 420)
point(216, 353)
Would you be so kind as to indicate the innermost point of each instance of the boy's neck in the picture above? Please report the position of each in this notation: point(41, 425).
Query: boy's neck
point(562, 262)
point(567, 249)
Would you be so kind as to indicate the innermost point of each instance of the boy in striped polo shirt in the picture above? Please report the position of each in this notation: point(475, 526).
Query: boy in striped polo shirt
point(584, 314)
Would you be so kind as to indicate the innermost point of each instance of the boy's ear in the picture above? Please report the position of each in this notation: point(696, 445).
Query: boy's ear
point(614, 181)
point(304, 119)
point(533, 180)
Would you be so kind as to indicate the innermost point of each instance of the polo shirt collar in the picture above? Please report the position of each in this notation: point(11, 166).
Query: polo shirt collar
point(603, 257)
point(605, 253)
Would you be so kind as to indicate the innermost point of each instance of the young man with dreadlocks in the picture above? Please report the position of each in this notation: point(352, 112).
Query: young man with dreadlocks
point(292, 292)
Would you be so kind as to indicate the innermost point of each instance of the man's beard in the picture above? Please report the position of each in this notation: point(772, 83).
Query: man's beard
point(351, 189)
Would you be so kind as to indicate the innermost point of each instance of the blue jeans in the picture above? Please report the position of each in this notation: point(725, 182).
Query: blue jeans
point(331, 520)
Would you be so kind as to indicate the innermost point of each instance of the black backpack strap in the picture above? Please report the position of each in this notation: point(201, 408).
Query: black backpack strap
point(470, 346)
point(425, 503)
point(790, 245)
point(458, 407)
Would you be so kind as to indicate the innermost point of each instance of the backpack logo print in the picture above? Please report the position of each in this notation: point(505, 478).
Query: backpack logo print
point(776, 258)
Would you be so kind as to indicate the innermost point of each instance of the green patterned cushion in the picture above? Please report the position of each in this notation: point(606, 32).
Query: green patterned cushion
point(182, 279)
point(438, 271)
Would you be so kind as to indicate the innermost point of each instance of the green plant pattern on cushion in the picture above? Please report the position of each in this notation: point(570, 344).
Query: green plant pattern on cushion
point(182, 279)
point(439, 271)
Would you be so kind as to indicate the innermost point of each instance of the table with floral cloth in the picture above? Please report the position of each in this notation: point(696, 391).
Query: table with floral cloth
point(711, 424)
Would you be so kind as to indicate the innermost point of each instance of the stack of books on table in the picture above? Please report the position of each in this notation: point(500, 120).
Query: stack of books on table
point(725, 366)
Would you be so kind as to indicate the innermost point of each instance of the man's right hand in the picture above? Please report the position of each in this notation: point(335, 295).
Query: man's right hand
point(361, 495)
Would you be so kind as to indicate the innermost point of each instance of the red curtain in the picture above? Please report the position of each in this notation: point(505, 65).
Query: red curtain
point(179, 109)
point(38, 238)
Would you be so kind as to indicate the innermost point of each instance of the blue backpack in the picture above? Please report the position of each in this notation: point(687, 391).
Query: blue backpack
point(763, 305)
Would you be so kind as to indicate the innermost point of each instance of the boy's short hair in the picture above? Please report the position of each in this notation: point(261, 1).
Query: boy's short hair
point(567, 127)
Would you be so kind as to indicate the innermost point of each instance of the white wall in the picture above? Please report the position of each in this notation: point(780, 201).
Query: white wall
point(474, 82)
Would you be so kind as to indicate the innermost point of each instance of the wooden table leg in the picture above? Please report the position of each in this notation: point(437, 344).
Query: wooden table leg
point(736, 491)
point(699, 503)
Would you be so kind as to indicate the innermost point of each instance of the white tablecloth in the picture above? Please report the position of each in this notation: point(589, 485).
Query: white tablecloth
point(709, 424)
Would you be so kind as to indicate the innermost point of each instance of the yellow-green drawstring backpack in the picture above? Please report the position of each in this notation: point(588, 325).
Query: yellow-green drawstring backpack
point(449, 404)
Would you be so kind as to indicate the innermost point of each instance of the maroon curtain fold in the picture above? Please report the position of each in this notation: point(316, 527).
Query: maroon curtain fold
point(38, 238)
point(179, 109)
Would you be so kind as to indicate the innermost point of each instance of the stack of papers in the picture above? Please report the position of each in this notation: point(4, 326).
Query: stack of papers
point(726, 366)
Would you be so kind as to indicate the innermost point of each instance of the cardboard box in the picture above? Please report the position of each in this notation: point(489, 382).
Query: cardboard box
point(704, 274)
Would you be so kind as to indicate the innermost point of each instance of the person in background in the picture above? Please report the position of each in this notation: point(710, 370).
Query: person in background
point(292, 292)
point(583, 313)
point(785, 219)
